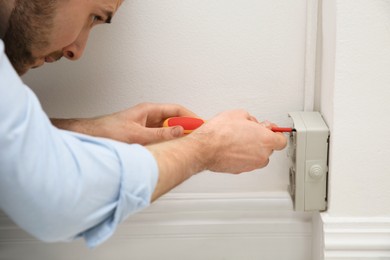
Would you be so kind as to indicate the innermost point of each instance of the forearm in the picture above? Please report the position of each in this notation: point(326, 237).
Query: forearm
point(88, 126)
point(177, 160)
point(75, 125)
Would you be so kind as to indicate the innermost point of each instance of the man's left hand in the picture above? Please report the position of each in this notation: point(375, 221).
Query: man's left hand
point(140, 124)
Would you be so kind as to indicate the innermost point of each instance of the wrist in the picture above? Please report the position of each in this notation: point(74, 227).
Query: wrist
point(198, 150)
point(177, 160)
point(201, 143)
point(186, 155)
point(67, 124)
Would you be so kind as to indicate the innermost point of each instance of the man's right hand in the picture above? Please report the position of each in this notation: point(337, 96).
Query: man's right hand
point(232, 142)
point(236, 142)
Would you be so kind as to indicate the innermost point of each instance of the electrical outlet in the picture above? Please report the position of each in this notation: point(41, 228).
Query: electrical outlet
point(308, 153)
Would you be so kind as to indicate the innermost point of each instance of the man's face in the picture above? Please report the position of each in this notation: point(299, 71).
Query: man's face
point(45, 30)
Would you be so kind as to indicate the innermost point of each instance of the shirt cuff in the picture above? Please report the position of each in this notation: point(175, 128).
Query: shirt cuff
point(138, 181)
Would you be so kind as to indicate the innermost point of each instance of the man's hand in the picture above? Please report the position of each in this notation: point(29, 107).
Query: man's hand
point(141, 124)
point(232, 142)
point(236, 142)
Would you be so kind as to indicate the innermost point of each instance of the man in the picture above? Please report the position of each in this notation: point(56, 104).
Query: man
point(58, 184)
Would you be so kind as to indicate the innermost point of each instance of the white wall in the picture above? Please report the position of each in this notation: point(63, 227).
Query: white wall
point(207, 55)
point(355, 102)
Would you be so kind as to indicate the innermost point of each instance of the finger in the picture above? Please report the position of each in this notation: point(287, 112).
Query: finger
point(265, 163)
point(254, 119)
point(250, 117)
point(279, 141)
point(155, 135)
point(240, 114)
point(160, 112)
point(171, 110)
point(268, 124)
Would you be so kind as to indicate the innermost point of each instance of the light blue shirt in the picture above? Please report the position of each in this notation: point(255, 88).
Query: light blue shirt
point(59, 185)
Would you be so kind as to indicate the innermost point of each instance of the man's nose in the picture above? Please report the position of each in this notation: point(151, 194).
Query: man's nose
point(75, 50)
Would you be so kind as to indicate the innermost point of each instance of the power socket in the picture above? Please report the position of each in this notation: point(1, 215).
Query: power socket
point(308, 153)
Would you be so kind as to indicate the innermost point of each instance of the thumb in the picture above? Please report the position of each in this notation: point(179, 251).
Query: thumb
point(164, 133)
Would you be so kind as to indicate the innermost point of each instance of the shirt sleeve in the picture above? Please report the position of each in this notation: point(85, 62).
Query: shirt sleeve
point(59, 185)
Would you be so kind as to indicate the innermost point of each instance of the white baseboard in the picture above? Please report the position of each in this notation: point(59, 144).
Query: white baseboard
point(356, 238)
point(188, 226)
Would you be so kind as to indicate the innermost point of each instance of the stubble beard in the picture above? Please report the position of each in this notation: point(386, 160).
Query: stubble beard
point(30, 25)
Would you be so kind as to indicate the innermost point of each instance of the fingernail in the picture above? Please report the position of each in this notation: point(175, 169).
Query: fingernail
point(177, 131)
point(266, 123)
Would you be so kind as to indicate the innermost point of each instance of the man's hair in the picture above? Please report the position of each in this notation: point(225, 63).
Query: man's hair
point(30, 24)
point(6, 7)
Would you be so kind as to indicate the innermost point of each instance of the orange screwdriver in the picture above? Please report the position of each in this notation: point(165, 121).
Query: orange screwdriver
point(191, 123)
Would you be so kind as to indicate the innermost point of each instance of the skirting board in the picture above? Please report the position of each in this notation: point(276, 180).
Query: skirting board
point(188, 226)
point(355, 238)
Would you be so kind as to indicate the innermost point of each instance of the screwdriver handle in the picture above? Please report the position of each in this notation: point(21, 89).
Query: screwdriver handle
point(188, 123)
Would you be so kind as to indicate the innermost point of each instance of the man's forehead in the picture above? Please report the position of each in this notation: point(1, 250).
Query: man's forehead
point(107, 5)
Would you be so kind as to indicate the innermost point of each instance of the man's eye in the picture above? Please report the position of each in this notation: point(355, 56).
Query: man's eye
point(97, 19)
